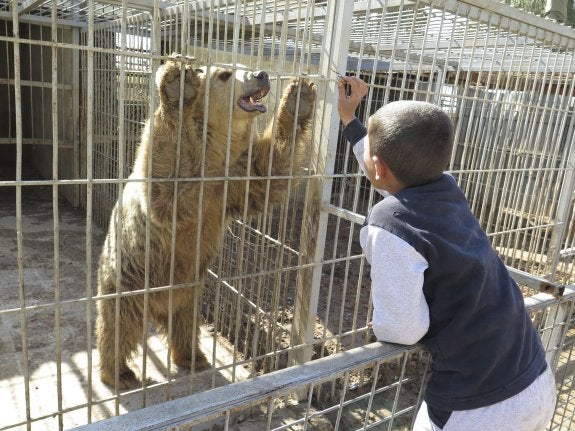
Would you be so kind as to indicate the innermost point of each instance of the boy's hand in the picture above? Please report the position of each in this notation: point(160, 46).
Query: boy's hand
point(348, 103)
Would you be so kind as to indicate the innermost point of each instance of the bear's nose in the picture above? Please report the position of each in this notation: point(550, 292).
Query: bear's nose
point(261, 75)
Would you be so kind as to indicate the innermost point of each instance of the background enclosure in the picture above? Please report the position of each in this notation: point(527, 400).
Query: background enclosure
point(290, 286)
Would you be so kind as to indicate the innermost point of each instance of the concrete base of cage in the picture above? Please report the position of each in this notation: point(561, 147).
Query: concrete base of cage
point(63, 377)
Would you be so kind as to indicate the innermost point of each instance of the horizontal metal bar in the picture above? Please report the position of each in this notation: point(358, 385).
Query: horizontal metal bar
point(544, 300)
point(535, 282)
point(62, 143)
point(36, 19)
point(211, 404)
point(28, 5)
point(64, 182)
point(344, 214)
point(147, 5)
point(26, 83)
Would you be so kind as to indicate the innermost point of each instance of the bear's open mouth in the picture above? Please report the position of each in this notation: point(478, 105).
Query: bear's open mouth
point(252, 102)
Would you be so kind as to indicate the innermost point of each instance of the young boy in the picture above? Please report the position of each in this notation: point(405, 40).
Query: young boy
point(437, 280)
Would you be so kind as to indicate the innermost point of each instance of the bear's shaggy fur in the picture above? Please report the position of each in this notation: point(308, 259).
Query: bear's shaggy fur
point(198, 214)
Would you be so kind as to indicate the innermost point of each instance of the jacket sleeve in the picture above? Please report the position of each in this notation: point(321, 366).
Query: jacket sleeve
point(400, 311)
point(355, 131)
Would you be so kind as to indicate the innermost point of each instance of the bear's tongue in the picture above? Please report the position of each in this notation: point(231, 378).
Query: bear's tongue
point(252, 102)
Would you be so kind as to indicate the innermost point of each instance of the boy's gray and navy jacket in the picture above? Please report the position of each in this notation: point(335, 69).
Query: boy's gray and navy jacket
point(482, 341)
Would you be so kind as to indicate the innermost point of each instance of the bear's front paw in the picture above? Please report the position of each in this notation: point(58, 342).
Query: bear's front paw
point(303, 88)
point(168, 79)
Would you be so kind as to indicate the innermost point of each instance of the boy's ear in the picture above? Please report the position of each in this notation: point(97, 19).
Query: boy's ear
point(380, 166)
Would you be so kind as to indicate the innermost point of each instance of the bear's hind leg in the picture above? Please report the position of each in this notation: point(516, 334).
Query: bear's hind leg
point(185, 336)
point(130, 333)
point(184, 342)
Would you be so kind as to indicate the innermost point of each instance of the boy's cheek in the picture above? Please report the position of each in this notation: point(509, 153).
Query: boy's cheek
point(378, 184)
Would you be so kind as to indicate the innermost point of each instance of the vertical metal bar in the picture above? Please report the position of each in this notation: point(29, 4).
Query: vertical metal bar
point(517, 123)
point(533, 204)
point(200, 277)
point(548, 205)
point(435, 96)
point(338, 24)
point(154, 51)
point(147, 228)
point(173, 222)
point(262, 245)
point(419, 8)
point(74, 98)
point(493, 217)
point(558, 317)
point(565, 199)
point(119, 220)
point(484, 125)
point(31, 101)
point(404, 12)
point(240, 282)
point(270, 409)
point(343, 393)
point(400, 381)
point(460, 98)
point(375, 377)
point(55, 209)
point(355, 200)
point(19, 232)
point(308, 407)
point(392, 56)
point(524, 185)
point(89, 109)
point(196, 297)
point(358, 181)
point(420, 392)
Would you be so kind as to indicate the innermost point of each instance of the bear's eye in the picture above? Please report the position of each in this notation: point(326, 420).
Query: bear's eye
point(225, 75)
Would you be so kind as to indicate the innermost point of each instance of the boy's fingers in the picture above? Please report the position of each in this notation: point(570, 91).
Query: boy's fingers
point(341, 89)
point(358, 89)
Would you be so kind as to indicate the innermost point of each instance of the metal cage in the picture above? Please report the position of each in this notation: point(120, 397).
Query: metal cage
point(287, 301)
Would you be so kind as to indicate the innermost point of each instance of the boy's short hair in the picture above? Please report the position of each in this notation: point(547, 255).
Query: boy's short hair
point(415, 139)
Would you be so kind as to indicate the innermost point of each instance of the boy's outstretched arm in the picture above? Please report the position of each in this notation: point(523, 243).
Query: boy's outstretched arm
point(349, 101)
point(354, 131)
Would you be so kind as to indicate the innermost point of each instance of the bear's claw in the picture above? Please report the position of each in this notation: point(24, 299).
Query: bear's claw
point(168, 80)
point(126, 380)
point(185, 361)
point(307, 94)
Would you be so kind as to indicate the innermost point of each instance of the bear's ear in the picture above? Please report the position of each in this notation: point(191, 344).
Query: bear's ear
point(224, 75)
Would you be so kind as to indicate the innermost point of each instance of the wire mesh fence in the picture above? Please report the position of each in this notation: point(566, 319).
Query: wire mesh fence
point(290, 284)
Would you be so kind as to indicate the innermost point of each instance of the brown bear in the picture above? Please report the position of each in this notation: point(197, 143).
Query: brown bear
point(249, 173)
